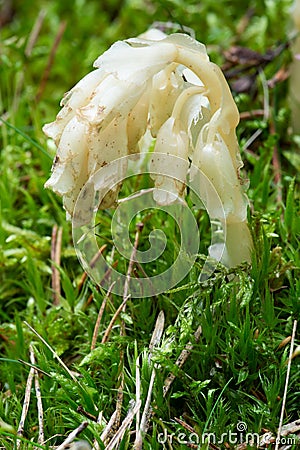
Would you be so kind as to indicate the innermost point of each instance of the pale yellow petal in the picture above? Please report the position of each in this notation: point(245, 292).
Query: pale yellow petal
point(238, 245)
point(166, 87)
point(136, 62)
point(172, 172)
point(77, 97)
point(137, 122)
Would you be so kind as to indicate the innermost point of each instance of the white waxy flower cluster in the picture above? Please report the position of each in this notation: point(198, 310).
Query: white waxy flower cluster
point(167, 85)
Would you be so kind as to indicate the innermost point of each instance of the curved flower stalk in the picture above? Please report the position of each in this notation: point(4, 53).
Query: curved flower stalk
point(295, 70)
point(168, 85)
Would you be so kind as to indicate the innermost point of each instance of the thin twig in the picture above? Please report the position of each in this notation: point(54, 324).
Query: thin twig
point(147, 409)
point(252, 139)
point(115, 419)
point(122, 308)
point(142, 429)
point(125, 424)
point(96, 445)
point(91, 264)
point(41, 435)
point(141, 269)
point(266, 109)
point(25, 406)
point(28, 51)
point(275, 158)
point(85, 413)
point(132, 260)
point(243, 23)
point(107, 274)
point(266, 94)
point(137, 396)
point(157, 333)
point(7, 12)
point(34, 367)
point(251, 114)
point(108, 427)
point(185, 425)
point(286, 385)
point(290, 428)
point(120, 394)
point(53, 51)
point(55, 257)
point(181, 360)
point(113, 320)
point(276, 167)
point(55, 355)
point(73, 436)
point(143, 426)
point(34, 34)
point(100, 314)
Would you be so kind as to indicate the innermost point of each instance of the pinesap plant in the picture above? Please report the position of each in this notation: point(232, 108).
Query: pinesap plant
point(165, 89)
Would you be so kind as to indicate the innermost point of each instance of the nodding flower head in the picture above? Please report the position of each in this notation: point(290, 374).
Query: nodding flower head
point(168, 86)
